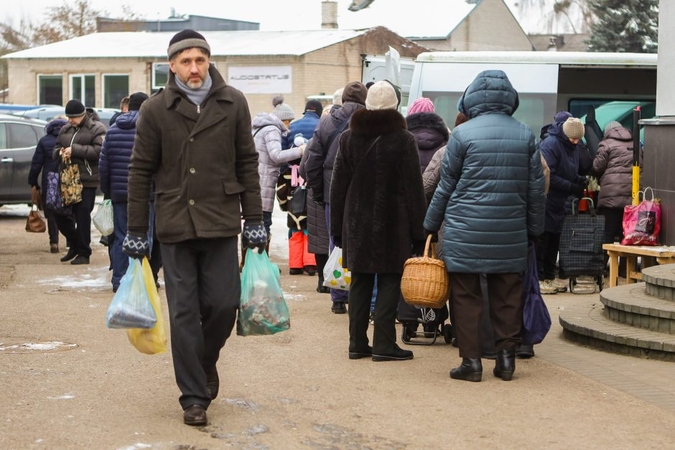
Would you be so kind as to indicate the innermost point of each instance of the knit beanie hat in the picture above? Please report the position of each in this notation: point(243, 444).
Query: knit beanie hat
point(187, 39)
point(284, 112)
point(74, 108)
point(355, 92)
point(136, 99)
point(573, 128)
point(562, 116)
point(337, 96)
point(381, 95)
point(610, 126)
point(421, 104)
point(277, 100)
point(314, 106)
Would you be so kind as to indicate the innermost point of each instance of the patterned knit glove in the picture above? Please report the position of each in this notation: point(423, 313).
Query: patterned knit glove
point(136, 245)
point(254, 236)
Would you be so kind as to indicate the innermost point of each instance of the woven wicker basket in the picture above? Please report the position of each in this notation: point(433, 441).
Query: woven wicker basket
point(425, 281)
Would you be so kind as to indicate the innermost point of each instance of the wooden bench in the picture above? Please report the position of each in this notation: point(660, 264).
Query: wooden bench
point(662, 254)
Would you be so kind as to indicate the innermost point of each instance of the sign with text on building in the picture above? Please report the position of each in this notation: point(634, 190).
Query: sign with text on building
point(261, 79)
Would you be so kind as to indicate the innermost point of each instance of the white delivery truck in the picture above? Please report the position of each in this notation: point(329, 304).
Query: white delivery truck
point(547, 82)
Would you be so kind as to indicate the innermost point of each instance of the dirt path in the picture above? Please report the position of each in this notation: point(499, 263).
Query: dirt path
point(68, 382)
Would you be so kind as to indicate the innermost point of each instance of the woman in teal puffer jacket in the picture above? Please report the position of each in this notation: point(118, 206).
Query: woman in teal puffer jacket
point(490, 198)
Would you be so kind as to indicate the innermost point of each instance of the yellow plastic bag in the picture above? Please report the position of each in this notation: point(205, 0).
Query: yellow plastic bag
point(152, 340)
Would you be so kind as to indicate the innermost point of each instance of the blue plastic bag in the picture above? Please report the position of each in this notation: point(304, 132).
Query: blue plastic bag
point(536, 319)
point(262, 309)
point(131, 306)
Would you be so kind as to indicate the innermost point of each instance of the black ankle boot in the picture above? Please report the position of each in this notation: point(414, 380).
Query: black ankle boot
point(70, 255)
point(471, 369)
point(505, 364)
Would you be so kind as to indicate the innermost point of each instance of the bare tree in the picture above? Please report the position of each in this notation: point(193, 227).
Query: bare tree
point(66, 22)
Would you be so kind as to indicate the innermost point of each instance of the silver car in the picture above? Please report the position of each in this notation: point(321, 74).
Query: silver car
point(18, 138)
point(49, 112)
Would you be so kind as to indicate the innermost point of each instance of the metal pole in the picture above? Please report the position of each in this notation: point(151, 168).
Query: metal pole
point(637, 113)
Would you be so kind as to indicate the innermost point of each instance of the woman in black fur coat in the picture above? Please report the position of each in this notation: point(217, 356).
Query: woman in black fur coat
point(377, 210)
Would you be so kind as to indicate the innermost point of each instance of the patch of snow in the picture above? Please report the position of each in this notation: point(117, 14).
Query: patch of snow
point(92, 277)
point(62, 397)
point(136, 446)
point(42, 346)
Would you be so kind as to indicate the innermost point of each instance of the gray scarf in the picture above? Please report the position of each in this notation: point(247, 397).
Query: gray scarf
point(198, 95)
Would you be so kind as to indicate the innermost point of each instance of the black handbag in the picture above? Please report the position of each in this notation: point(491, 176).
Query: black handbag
point(297, 203)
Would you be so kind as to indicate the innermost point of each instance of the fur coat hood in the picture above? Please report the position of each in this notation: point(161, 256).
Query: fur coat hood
point(430, 133)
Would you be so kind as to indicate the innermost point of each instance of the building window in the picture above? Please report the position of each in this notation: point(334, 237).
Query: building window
point(50, 90)
point(83, 88)
point(160, 76)
point(115, 88)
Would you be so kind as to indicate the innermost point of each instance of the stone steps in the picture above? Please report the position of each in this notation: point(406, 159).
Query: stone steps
point(634, 319)
point(632, 305)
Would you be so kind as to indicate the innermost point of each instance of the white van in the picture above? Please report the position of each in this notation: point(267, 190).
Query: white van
point(374, 68)
point(546, 82)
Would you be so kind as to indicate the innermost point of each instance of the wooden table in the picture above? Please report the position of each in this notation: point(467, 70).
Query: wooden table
point(662, 254)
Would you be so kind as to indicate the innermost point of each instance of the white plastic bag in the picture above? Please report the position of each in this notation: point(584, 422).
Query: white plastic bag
point(103, 218)
point(334, 275)
point(131, 306)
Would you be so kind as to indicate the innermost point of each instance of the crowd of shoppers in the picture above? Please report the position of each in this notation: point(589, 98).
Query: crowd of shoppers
point(188, 170)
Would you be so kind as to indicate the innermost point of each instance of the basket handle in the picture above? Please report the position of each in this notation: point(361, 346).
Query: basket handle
point(429, 248)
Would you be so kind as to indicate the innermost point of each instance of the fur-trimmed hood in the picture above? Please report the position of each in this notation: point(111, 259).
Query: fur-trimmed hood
point(370, 123)
point(430, 134)
point(429, 120)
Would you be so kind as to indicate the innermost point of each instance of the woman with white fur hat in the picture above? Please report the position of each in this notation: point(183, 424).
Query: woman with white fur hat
point(377, 209)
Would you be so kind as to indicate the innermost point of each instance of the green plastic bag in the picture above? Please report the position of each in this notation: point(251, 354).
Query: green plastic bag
point(262, 309)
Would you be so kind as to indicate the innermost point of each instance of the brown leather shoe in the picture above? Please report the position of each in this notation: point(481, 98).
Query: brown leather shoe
point(195, 415)
point(54, 248)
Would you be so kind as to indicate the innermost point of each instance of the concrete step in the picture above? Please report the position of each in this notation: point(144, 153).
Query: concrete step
point(587, 324)
point(631, 304)
point(660, 281)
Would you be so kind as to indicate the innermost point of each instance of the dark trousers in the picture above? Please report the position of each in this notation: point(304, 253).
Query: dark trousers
point(487, 336)
point(78, 234)
point(613, 231)
point(505, 292)
point(384, 329)
point(202, 290)
point(321, 260)
point(52, 227)
point(155, 252)
point(547, 255)
point(118, 259)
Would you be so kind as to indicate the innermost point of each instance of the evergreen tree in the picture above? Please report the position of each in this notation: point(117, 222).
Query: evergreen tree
point(624, 26)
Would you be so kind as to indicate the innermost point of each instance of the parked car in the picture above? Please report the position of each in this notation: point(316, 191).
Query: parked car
point(49, 112)
point(18, 138)
point(13, 108)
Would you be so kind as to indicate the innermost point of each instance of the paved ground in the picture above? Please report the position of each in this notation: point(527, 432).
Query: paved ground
point(68, 382)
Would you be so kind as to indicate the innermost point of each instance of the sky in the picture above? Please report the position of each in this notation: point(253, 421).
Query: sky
point(273, 15)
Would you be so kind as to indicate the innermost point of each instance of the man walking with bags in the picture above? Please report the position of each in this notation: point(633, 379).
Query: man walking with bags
point(194, 140)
